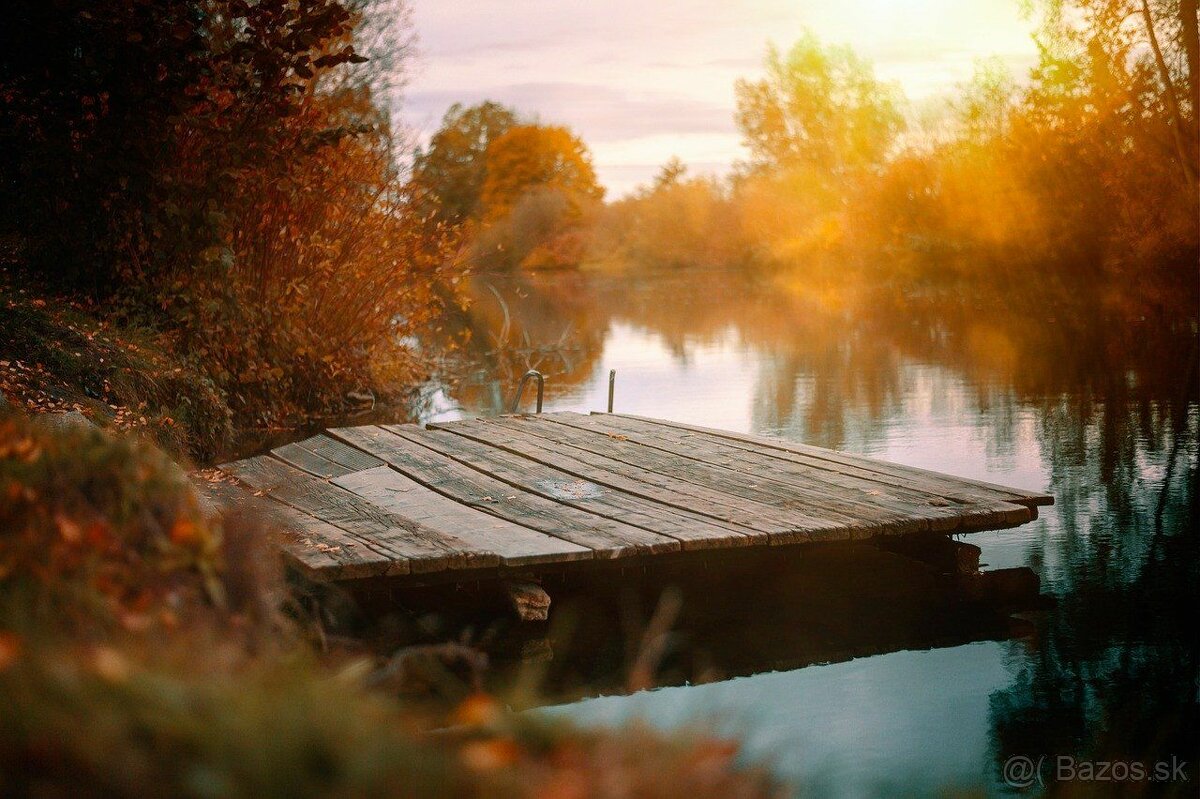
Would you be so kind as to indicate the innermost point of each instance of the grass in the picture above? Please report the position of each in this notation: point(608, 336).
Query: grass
point(148, 647)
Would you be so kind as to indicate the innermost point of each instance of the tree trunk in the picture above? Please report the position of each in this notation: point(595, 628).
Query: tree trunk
point(1180, 124)
point(1189, 32)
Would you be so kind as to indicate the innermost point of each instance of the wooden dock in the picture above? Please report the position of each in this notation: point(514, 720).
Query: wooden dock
point(499, 497)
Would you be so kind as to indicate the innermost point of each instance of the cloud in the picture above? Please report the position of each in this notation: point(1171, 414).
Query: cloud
point(600, 113)
point(641, 79)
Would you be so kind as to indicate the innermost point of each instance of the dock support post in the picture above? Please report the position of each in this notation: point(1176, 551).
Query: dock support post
point(612, 382)
point(528, 600)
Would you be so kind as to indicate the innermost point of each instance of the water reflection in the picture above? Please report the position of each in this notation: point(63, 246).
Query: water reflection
point(908, 723)
point(1103, 412)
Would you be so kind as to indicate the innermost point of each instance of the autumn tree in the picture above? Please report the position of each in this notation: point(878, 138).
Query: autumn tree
point(818, 108)
point(226, 172)
point(671, 173)
point(544, 157)
point(449, 172)
point(124, 125)
point(1128, 64)
point(538, 185)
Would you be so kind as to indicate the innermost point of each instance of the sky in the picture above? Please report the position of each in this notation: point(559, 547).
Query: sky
point(644, 80)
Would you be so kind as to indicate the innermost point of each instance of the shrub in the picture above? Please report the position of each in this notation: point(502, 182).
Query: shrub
point(221, 171)
point(95, 531)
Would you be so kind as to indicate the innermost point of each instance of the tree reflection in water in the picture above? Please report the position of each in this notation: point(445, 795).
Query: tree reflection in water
point(1105, 407)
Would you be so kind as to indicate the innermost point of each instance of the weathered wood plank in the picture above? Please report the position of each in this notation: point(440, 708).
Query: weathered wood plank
point(413, 547)
point(692, 530)
point(519, 492)
point(786, 484)
point(972, 507)
point(605, 537)
point(856, 516)
point(308, 461)
point(918, 475)
point(515, 544)
point(264, 474)
point(320, 551)
point(350, 457)
point(775, 525)
point(896, 510)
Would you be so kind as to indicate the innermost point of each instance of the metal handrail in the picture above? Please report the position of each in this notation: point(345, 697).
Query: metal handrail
point(541, 385)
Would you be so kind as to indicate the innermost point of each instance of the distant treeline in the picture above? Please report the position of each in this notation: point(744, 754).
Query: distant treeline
point(1077, 182)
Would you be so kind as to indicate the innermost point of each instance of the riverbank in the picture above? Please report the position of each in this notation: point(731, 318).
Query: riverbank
point(201, 670)
point(68, 353)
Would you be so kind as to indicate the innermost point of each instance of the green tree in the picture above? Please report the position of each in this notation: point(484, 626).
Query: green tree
point(449, 173)
point(818, 108)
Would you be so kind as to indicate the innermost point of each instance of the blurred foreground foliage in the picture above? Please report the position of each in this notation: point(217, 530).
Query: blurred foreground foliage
point(149, 646)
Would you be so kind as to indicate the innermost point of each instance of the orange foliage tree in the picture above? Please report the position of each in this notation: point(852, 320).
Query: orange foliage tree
point(226, 171)
point(537, 156)
point(449, 173)
point(539, 183)
point(1077, 185)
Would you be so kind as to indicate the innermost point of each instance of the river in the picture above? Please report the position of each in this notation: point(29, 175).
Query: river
point(1100, 412)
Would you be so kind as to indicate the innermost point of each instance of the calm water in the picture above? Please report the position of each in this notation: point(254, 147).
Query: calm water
point(1102, 414)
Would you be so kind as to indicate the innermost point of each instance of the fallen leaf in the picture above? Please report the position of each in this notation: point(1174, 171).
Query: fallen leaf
point(184, 531)
point(68, 528)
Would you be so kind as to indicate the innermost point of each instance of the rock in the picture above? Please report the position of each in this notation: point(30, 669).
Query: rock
point(64, 421)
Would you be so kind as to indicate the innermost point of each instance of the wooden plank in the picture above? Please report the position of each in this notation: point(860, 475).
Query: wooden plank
point(518, 492)
point(605, 537)
point(413, 547)
point(990, 510)
point(866, 514)
point(308, 461)
point(262, 474)
point(350, 457)
point(899, 509)
point(873, 465)
point(321, 551)
point(691, 530)
point(773, 524)
point(516, 545)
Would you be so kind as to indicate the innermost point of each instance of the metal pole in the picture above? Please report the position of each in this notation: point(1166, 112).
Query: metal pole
point(612, 382)
point(541, 385)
